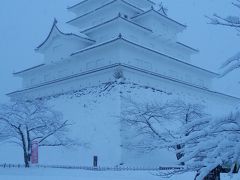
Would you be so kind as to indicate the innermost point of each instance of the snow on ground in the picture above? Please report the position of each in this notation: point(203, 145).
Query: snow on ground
point(61, 174)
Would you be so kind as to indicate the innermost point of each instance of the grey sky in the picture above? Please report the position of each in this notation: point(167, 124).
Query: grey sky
point(25, 24)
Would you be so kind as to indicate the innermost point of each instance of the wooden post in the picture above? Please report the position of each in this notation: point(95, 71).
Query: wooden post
point(95, 161)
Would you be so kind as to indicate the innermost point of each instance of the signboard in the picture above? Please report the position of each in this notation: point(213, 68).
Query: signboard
point(34, 152)
point(95, 161)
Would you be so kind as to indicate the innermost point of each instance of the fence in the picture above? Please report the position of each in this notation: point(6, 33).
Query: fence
point(93, 168)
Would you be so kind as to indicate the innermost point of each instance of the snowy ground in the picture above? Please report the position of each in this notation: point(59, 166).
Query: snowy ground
point(57, 174)
point(60, 174)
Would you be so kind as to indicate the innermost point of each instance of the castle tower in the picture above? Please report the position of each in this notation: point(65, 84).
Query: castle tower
point(118, 39)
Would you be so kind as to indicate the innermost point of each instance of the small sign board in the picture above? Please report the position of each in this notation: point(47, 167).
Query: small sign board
point(34, 152)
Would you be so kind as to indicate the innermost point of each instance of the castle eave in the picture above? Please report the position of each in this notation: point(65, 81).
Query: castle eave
point(85, 1)
point(123, 39)
point(19, 73)
point(188, 47)
point(158, 14)
point(119, 17)
point(133, 68)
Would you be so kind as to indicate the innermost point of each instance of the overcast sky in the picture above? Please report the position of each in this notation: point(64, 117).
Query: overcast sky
point(24, 24)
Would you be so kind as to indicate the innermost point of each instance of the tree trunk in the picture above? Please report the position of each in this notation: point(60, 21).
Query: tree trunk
point(26, 160)
point(214, 174)
point(29, 145)
point(25, 149)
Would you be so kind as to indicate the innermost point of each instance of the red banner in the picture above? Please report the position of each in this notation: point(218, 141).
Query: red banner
point(34, 152)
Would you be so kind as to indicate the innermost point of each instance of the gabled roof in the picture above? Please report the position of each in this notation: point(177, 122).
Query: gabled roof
point(84, 1)
point(120, 37)
point(116, 18)
point(54, 27)
point(106, 5)
point(161, 15)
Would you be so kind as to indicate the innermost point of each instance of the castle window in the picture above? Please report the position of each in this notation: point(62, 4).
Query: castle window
point(99, 62)
point(32, 81)
point(47, 77)
point(90, 65)
point(173, 74)
point(201, 82)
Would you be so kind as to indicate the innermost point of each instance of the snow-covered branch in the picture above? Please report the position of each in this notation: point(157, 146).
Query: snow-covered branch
point(233, 22)
point(24, 122)
point(213, 146)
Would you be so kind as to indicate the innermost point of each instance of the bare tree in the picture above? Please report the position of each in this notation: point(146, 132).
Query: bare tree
point(185, 113)
point(229, 21)
point(149, 123)
point(232, 22)
point(24, 122)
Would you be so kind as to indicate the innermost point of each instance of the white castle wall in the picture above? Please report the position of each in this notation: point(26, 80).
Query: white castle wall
point(95, 114)
point(95, 118)
point(215, 102)
point(62, 47)
point(159, 27)
point(132, 74)
point(162, 65)
point(79, 64)
point(111, 54)
point(89, 61)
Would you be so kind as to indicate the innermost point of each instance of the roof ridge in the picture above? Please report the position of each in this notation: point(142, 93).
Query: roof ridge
point(119, 16)
point(153, 10)
point(100, 7)
point(88, 0)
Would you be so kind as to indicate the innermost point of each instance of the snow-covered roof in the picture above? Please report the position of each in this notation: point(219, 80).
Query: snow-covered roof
point(119, 17)
point(160, 15)
point(84, 1)
point(57, 30)
point(127, 66)
point(120, 37)
point(106, 5)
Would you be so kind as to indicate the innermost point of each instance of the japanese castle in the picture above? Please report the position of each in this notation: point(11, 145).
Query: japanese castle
point(128, 37)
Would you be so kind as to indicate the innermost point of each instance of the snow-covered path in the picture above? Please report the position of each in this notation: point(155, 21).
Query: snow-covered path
point(61, 174)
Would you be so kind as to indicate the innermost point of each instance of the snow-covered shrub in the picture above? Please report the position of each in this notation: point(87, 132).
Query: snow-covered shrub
point(212, 143)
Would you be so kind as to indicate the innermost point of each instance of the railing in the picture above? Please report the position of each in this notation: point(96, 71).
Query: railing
point(90, 168)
